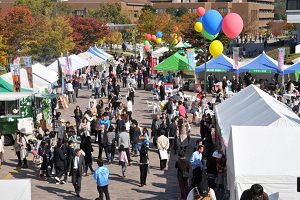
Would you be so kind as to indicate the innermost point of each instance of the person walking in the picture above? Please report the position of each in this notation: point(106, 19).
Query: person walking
point(124, 78)
point(58, 160)
point(24, 151)
point(103, 87)
point(155, 129)
point(97, 84)
point(123, 160)
point(124, 139)
point(75, 84)
point(162, 91)
point(17, 147)
point(78, 118)
point(71, 92)
point(131, 92)
point(88, 149)
point(129, 108)
point(135, 134)
point(197, 166)
point(1, 148)
point(184, 167)
point(144, 162)
point(101, 133)
point(163, 146)
point(101, 175)
point(109, 144)
point(44, 152)
point(76, 170)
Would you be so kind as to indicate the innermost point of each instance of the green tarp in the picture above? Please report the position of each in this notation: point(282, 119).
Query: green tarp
point(174, 62)
point(6, 87)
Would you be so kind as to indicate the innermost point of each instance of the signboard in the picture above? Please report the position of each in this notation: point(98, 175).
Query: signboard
point(153, 62)
point(28, 65)
point(235, 57)
point(281, 52)
point(15, 71)
point(216, 70)
point(191, 59)
point(262, 71)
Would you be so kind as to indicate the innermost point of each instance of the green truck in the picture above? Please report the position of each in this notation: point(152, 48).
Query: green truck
point(23, 110)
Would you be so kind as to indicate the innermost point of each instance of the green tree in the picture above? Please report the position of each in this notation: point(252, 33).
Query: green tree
point(36, 6)
point(149, 7)
point(181, 11)
point(62, 8)
point(172, 11)
point(113, 38)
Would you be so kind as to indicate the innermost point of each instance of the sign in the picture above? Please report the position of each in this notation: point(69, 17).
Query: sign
point(153, 62)
point(191, 59)
point(262, 71)
point(216, 70)
point(15, 71)
point(281, 52)
point(235, 57)
point(28, 65)
point(89, 67)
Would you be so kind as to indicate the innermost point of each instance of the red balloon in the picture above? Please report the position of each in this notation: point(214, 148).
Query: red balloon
point(153, 37)
point(147, 47)
point(148, 37)
point(200, 11)
point(179, 39)
point(175, 28)
point(232, 25)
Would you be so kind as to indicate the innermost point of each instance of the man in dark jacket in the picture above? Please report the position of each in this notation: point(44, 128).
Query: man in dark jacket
point(173, 133)
point(162, 91)
point(59, 162)
point(135, 136)
point(76, 169)
point(155, 129)
point(116, 88)
point(184, 167)
point(234, 85)
point(169, 109)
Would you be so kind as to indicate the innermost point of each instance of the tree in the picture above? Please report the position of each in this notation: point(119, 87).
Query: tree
point(113, 38)
point(289, 26)
point(62, 8)
point(181, 11)
point(3, 50)
point(276, 27)
point(37, 7)
point(110, 13)
point(149, 7)
point(87, 31)
point(279, 10)
point(172, 11)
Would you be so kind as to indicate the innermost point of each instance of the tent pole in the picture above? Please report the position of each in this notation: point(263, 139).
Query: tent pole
point(205, 68)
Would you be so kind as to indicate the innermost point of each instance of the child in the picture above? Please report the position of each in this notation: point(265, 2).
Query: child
point(123, 159)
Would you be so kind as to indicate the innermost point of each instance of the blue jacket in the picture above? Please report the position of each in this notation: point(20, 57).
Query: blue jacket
point(106, 123)
point(146, 141)
point(196, 160)
point(101, 174)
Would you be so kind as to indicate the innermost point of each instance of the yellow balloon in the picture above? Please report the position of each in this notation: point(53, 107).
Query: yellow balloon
point(158, 40)
point(175, 34)
point(175, 37)
point(216, 48)
point(175, 41)
point(199, 27)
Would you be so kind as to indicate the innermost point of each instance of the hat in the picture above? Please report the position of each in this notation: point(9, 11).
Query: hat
point(67, 122)
point(62, 120)
point(216, 155)
point(23, 130)
point(203, 189)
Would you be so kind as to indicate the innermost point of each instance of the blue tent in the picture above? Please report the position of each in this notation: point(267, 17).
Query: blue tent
point(221, 62)
point(102, 53)
point(96, 54)
point(292, 68)
point(264, 62)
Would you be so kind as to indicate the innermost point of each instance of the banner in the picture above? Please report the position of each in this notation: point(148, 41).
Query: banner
point(191, 59)
point(28, 65)
point(153, 63)
point(89, 67)
point(281, 52)
point(17, 60)
point(63, 74)
point(235, 57)
point(15, 71)
point(297, 75)
point(68, 65)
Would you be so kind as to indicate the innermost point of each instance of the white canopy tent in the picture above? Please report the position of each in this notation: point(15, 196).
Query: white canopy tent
point(39, 84)
point(252, 107)
point(92, 59)
point(267, 156)
point(76, 62)
point(159, 52)
point(44, 73)
point(106, 55)
point(15, 189)
point(182, 45)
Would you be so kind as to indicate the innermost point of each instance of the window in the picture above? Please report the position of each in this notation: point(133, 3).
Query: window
point(195, 10)
point(223, 10)
point(9, 108)
point(229, 10)
point(135, 14)
point(190, 10)
point(79, 12)
point(157, 10)
point(161, 10)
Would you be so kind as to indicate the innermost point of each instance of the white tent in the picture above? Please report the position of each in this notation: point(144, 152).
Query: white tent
point(15, 189)
point(93, 59)
point(267, 156)
point(252, 107)
point(44, 73)
point(182, 45)
point(159, 52)
point(76, 62)
point(38, 83)
point(107, 56)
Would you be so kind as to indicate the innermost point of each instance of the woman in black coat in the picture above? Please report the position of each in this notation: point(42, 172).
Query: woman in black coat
point(143, 164)
point(88, 149)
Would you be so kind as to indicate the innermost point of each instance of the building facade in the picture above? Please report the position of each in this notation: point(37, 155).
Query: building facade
point(293, 15)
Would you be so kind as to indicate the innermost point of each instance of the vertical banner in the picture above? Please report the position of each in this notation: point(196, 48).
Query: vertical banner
point(281, 52)
point(28, 65)
point(17, 60)
point(89, 67)
point(235, 57)
point(15, 71)
point(153, 62)
point(63, 74)
point(68, 67)
point(141, 54)
point(297, 75)
point(191, 59)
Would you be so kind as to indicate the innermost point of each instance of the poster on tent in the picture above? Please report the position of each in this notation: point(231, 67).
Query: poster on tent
point(281, 52)
point(28, 65)
point(235, 57)
point(191, 58)
point(89, 67)
point(68, 70)
point(153, 62)
point(15, 71)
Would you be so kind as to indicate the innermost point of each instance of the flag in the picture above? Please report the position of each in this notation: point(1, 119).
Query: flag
point(15, 71)
point(28, 65)
point(89, 67)
point(63, 75)
point(281, 52)
point(68, 65)
point(235, 57)
point(17, 60)
point(296, 75)
point(191, 58)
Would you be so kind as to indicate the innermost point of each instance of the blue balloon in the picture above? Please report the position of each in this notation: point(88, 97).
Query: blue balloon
point(212, 22)
point(159, 34)
point(200, 19)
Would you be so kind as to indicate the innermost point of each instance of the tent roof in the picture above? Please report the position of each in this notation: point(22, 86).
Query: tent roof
point(263, 61)
point(93, 59)
point(253, 107)
point(6, 96)
point(76, 62)
point(264, 155)
point(6, 87)
point(106, 55)
point(174, 62)
point(292, 68)
point(44, 73)
point(96, 54)
point(15, 189)
point(182, 45)
point(159, 52)
point(218, 63)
